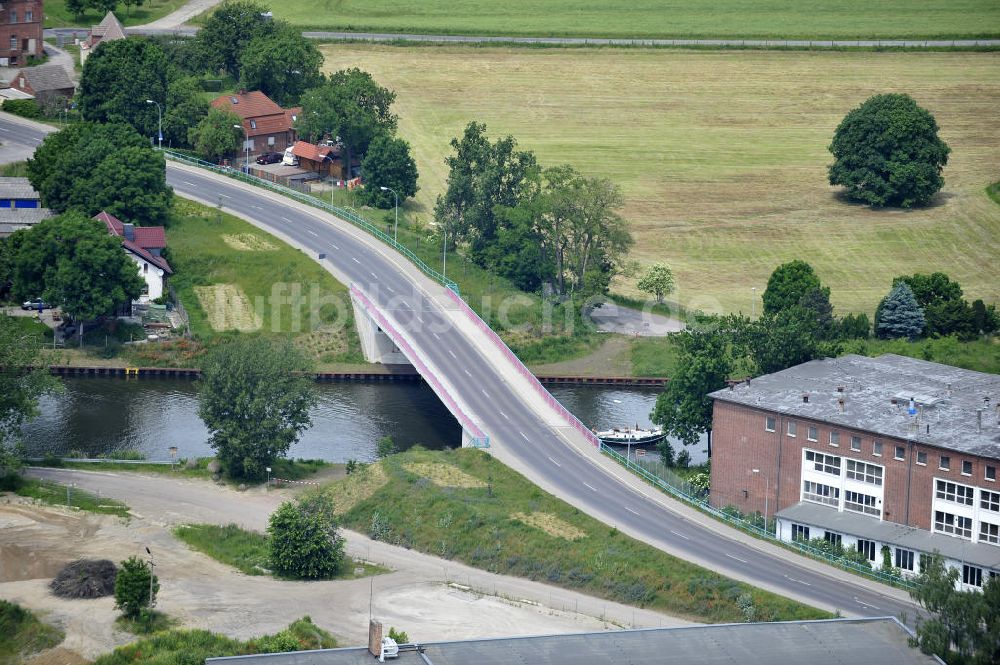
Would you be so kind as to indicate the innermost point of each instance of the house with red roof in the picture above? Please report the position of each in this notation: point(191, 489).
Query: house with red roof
point(268, 127)
point(324, 159)
point(144, 245)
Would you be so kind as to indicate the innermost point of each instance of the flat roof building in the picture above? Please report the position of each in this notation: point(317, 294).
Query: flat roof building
point(876, 453)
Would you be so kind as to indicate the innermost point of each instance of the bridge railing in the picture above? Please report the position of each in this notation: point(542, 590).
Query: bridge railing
point(479, 438)
point(343, 213)
point(544, 394)
point(699, 501)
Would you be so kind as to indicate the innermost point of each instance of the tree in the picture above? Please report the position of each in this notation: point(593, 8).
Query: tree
point(945, 311)
point(228, 31)
point(388, 164)
point(255, 408)
point(855, 326)
point(185, 109)
point(815, 304)
point(386, 446)
point(304, 544)
point(133, 592)
point(779, 341)
point(899, 315)
point(77, 8)
point(985, 319)
point(91, 167)
point(282, 64)
point(658, 280)
point(118, 78)
point(73, 262)
point(887, 153)
point(132, 3)
point(788, 284)
point(216, 135)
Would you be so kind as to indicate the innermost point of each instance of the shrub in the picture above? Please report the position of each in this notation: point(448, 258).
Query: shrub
point(26, 108)
point(386, 447)
point(399, 636)
point(133, 592)
point(304, 543)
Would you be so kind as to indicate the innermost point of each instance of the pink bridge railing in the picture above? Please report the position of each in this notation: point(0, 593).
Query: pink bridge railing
point(525, 372)
point(479, 438)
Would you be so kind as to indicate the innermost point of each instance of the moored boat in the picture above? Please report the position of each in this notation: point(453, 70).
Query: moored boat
point(630, 435)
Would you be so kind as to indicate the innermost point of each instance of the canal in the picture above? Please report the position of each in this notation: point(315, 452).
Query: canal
point(102, 415)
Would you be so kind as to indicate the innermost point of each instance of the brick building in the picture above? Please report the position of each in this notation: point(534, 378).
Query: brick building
point(875, 453)
point(268, 127)
point(20, 31)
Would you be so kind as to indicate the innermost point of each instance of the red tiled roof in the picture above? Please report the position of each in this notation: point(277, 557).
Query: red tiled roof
point(146, 237)
point(268, 124)
point(150, 237)
point(253, 104)
point(315, 153)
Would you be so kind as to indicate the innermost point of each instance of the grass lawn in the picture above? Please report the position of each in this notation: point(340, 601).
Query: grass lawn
point(57, 16)
point(850, 19)
point(231, 276)
point(465, 505)
point(22, 634)
point(722, 155)
point(248, 550)
point(56, 494)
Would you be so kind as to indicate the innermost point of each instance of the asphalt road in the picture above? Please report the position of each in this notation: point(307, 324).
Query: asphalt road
point(507, 416)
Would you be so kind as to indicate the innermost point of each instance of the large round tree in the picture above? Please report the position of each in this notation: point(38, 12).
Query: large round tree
point(887, 153)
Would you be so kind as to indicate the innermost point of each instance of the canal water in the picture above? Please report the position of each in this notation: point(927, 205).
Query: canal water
point(101, 415)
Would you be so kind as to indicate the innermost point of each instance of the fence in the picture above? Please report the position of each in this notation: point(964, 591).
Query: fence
point(544, 394)
point(700, 502)
point(479, 438)
point(347, 215)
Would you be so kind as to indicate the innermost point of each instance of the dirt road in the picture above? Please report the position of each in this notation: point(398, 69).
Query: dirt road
point(416, 596)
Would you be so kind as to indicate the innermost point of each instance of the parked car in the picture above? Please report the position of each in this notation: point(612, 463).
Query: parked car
point(290, 159)
point(269, 158)
point(35, 304)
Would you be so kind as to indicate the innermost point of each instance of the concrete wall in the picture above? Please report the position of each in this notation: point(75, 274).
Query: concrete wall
point(375, 344)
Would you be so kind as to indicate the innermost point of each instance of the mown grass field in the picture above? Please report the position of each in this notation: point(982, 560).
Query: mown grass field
point(465, 505)
point(57, 16)
point(722, 155)
point(653, 18)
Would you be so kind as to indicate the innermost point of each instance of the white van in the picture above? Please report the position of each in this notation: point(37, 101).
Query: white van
point(289, 159)
point(389, 649)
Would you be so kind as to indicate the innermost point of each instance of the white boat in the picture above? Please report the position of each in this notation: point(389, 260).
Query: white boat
point(630, 435)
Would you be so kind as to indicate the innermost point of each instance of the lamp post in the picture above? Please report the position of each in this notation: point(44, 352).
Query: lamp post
point(246, 146)
point(444, 251)
point(152, 565)
point(395, 226)
point(268, 478)
point(159, 122)
point(767, 491)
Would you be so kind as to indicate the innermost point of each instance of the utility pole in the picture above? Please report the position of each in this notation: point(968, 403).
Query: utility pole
point(152, 565)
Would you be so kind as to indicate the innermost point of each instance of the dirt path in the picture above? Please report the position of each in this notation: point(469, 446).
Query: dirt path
point(36, 541)
point(178, 18)
point(612, 358)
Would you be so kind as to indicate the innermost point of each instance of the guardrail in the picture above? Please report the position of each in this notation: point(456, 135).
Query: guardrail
point(524, 371)
point(343, 213)
point(701, 504)
point(479, 438)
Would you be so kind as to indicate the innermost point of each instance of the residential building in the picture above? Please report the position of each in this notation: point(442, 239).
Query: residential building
point(324, 159)
point(144, 245)
point(873, 640)
point(46, 83)
point(108, 30)
point(20, 206)
point(891, 455)
point(21, 32)
point(268, 127)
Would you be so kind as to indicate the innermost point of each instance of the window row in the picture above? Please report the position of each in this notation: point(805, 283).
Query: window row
point(955, 525)
point(820, 493)
point(864, 472)
point(861, 503)
point(964, 494)
point(824, 463)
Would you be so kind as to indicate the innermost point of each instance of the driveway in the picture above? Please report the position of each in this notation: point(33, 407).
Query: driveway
point(611, 317)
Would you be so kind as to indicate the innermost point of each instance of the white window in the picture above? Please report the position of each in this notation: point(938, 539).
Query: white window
point(972, 575)
point(13, 47)
point(877, 448)
point(812, 434)
point(833, 538)
point(864, 472)
point(945, 463)
point(834, 438)
point(991, 473)
point(28, 16)
point(956, 525)
point(922, 459)
point(904, 559)
point(989, 533)
point(824, 463)
point(966, 468)
point(270, 140)
point(13, 16)
point(820, 493)
point(861, 503)
point(792, 428)
point(989, 500)
point(800, 532)
point(954, 492)
point(253, 124)
point(900, 452)
point(769, 424)
point(867, 547)
point(856, 443)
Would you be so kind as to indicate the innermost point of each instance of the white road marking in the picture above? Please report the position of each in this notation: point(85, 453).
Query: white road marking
point(591, 487)
point(485, 393)
point(419, 319)
point(190, 183)
point(555, 462)
point(355, 259)
point(335, 247)
point(631, 511)
point(452, 354)
point(522, 435)
point(679, 535)
point(736, 558)
point(257, 207)
point(506, 417)
point(373, 274)
point(468, 373)
point(4, 130)
point(391, 290)
point(863, 603)
point(225, 196)
point(312, 232)
point(436, 336)
point(287, 220)
point(792, 579)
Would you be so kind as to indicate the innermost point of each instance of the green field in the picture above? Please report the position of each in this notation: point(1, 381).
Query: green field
point(21, 634)
point(847, 19)
point(722, 155)
point(57, 16)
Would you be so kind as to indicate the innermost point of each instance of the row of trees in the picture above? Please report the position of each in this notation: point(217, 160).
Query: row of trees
point(932, 305)
point(535, 226)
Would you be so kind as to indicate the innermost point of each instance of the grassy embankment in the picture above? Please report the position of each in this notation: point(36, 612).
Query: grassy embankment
point(22, 634)
point(247, 550)
point(194, 646)
point(57, 16)
point(57, 494)
point(773, 19)
point(286, 469)
point(466, 506)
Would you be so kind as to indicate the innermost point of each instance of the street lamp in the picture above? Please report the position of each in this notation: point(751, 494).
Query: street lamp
point(152, 565)
point(767, 492)
point(268, 477)
point(396, 197)
point(159, 122)
point(444, 250)
point(246, 146)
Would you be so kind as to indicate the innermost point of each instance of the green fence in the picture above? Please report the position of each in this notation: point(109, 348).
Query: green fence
point(342, 213)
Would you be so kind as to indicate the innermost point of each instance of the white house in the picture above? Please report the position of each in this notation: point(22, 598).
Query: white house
point(144, 245)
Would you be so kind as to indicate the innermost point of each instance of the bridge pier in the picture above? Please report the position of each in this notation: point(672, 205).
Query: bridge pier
point(376, 345)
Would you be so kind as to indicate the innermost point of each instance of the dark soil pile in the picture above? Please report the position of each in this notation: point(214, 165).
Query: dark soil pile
point(86, 578)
